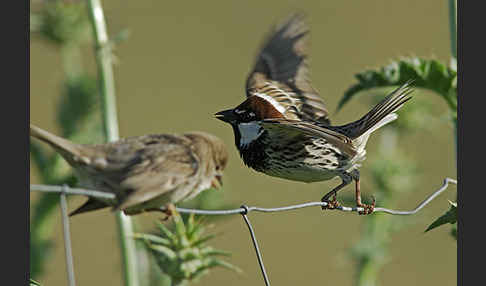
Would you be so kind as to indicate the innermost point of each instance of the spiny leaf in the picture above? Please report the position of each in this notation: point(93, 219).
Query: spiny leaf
point(211, 263)
point(167, 233)
point(154, 239)
point(426, 73)
point(203, 239)
point(197, 230)
point(190, 267)
point(449, 217)
point(199, 273)
point(214, 262)
point(209, 251)
point(180, 228)
point(190, 224)
point(163, 250)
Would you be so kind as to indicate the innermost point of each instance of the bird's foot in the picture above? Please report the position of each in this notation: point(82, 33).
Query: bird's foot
point(168, 211)
point(331, 204)
point(367, 209)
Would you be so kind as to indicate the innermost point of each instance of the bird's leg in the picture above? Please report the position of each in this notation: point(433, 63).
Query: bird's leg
point(368, 209)
point(332, 204)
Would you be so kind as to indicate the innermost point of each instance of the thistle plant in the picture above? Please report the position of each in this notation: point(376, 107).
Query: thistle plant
point(429, 74)
point(181, 251)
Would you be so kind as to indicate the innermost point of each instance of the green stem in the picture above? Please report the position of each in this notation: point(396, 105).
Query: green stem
point(110, 124)
point(105, 70)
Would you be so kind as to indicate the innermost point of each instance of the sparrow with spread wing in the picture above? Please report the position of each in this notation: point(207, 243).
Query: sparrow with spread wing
point(145, 172)
point(282, 129)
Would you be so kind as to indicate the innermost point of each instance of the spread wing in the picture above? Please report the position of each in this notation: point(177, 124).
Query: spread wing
point(337, 139)
point(282, 65)
point(149, 166)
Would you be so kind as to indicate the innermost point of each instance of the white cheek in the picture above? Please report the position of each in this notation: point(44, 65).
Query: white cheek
point(249, 132)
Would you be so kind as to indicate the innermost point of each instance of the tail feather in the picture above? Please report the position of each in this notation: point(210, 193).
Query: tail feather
point(380, 115)
point(73, 154)
point(89, 205)
point(65, 147)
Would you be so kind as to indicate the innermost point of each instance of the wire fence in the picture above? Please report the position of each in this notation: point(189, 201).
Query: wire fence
point(243, 211)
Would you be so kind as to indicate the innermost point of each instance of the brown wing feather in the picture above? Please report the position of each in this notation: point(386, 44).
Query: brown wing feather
point(282, 63)
point(167, 173)
point(148, 166)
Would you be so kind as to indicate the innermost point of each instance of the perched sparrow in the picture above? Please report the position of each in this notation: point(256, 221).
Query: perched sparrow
point(145, 172)
point(282, 129)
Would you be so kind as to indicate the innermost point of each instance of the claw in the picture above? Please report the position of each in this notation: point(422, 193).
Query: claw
point(168, 211)
point(331, 204)
point(368, 209)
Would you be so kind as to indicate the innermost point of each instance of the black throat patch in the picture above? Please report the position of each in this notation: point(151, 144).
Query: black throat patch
point(253, 154)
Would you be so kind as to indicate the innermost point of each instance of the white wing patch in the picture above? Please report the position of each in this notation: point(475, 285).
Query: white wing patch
point(249, 132)
point(272, 101)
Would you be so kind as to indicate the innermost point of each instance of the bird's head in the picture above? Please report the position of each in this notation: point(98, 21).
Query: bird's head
point(213, 155)
point(245, 117)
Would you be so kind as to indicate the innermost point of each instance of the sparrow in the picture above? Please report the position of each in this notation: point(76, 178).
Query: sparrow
point(282, 128)
point(145, 173)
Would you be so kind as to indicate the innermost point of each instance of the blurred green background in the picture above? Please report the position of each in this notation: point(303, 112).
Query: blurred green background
point(184, 61)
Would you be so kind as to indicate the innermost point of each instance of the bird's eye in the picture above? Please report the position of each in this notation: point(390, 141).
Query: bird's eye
point(248, 116)
point(244, 115)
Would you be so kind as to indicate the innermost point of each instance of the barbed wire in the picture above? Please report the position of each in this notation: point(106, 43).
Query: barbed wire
point(248, 209)
point(243, 210)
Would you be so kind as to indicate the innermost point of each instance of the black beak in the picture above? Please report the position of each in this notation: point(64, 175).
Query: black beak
point(226, 115)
